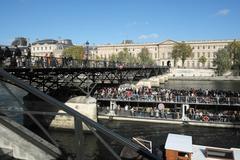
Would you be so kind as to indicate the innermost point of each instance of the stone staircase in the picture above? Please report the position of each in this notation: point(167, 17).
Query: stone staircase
point(17, 142)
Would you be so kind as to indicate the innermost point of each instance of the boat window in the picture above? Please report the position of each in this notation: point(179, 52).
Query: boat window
point(182, 154)
point(218, 153)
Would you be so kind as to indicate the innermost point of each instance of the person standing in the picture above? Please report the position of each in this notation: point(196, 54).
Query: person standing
point(29, 55)
point(18, 55)
point(1, 57)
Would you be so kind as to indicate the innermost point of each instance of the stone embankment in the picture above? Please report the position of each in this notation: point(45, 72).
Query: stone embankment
point(199, 74)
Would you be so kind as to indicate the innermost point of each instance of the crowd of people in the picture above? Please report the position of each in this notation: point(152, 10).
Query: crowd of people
point(170, 95)
point(170, 113)
point(163, 95)
point(14, 58)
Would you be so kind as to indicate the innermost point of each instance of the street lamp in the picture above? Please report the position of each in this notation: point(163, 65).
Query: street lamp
point(87, 53)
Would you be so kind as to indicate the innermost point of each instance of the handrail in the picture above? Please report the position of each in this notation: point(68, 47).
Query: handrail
point(179, 99)
point(50, 62)
point(98, 127)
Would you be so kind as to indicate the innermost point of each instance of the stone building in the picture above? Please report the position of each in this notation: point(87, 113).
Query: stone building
point(46, 46)
point(161, 52)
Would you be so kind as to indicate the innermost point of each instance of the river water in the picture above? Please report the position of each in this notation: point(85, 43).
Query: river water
point(157, 133)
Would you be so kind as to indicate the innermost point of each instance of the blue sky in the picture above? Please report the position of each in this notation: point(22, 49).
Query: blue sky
point(111, 21)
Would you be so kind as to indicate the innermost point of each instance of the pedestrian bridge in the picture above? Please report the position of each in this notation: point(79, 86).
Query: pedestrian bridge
point(83, 75)
point(11, 128)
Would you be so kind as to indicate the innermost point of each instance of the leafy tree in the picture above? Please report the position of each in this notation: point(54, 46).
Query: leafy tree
point(234, 50)
point(202, 60)
point(144, 57)
point(222, 61)
point(122, 56)
point(113, 57)
point(76, 52)
point(182, 51)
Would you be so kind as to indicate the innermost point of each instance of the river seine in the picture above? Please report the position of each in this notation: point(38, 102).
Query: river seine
point(157, 133)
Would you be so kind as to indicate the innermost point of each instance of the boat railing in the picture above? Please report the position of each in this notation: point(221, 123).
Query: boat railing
point(95, 127)
point(176, 99)
point(166, 114)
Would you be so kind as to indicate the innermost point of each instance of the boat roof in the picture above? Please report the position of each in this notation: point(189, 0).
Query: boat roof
point(236, 153)
point(180, 143)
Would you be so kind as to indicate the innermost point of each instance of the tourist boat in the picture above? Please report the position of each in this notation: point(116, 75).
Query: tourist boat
point(180, 147)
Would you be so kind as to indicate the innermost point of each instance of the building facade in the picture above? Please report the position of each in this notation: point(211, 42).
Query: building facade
point(161, 53)
point(47, 46)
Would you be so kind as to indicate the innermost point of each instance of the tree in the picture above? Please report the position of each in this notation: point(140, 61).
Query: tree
point(144, 57)
point(234, 50)
point(124, 56)
point(182, 51)
point(202, 60)
point(113, 58)
point(222, 61)
point(76, 52)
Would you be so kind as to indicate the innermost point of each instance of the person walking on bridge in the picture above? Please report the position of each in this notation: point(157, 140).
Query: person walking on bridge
point(1, 57)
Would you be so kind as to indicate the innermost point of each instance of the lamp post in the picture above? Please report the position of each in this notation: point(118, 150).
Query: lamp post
point(87, 53)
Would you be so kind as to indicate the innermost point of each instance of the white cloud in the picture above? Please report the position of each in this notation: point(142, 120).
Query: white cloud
point(131, 24)
point(223, 12)
point(148, 36)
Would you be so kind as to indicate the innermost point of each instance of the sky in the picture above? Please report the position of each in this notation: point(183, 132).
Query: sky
point(112, 21)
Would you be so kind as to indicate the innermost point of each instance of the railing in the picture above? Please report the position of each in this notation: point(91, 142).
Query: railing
point(53, 62)
point(78, 118)
point(169, 115)
point(174, 99)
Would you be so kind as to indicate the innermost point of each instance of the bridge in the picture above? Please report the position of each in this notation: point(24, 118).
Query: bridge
point(48, 147)
point(48, 75)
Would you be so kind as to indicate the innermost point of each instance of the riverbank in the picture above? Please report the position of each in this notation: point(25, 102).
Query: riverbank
point(205, 78)
point(170, 121)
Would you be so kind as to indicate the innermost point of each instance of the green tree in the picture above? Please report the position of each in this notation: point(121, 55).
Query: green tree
point(234, 50)
point(144, 57)
point(182, 51)
point(124, 56)
point(222, 61)
point(113, 57)
point(76, 52)
point(202, 60)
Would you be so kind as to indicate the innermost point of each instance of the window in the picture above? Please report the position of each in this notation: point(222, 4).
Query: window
point(208, 54)
point(214, 47)
point(133, 49)
point(162, 63)
point(169, 54)
point(50, 47)
point(193, 64)
point(203, 47)
point(203, 54)
point(37, 48)
point(116, 50)
point(41, 48)
point(198, 54)
point(155, 55)
point(192, 47)
point(33, 48)
point(45, 48)
point(198, 47)
point(208, 47)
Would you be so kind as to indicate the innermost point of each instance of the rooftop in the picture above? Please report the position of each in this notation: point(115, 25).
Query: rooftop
point(180, 143)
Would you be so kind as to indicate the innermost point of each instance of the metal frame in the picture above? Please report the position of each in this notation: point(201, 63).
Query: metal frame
point(80, 118)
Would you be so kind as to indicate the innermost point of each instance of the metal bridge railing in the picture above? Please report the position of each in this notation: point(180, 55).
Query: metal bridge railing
point(78, 118)
point(53, 62)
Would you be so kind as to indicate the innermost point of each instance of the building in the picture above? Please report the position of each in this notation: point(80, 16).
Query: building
point(20, 42)
point(161, 52)
point(46, 46)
